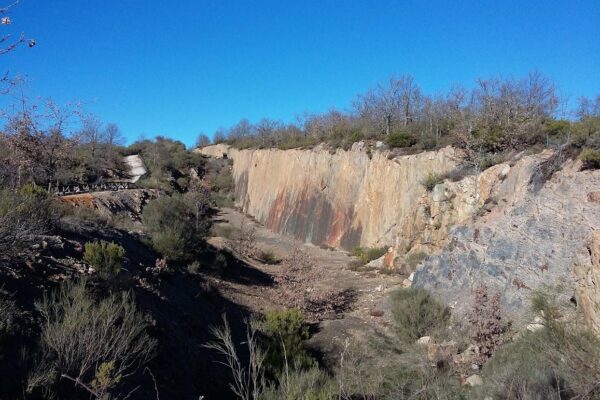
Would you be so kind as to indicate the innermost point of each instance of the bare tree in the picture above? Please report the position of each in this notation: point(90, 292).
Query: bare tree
point(265, 129)
point(202, 140)
point(241, 130)
point(112, 135)
point(220, 136)
point(588, 108)
point(38, 144)
point(91, 133)
point(8, 43)
point(392, 104)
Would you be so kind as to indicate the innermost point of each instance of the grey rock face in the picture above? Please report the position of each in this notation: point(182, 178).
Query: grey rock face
point(529, 242)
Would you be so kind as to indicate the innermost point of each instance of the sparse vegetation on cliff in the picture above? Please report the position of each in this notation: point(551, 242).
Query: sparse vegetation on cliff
point(367, 254)
point(496, 115)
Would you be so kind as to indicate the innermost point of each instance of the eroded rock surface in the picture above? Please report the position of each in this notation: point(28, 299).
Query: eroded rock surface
point(111, 203)
point(518, 226)
point(587, 275)
point(342, 198)
point(529, 240)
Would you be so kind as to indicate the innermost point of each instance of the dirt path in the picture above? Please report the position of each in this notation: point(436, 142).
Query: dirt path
point(368, 314)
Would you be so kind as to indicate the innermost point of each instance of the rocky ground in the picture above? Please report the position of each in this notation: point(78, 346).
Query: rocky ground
point(367, 314)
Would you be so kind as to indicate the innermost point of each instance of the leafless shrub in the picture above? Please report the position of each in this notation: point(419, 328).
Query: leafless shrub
point(248, 380)
point(93, 344)
point(244, 241)
point(161, 268)
point(489, 325)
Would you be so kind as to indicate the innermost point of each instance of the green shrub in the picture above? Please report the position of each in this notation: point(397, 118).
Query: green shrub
point(221, 262)
point(177, 225)
point(414, 259)
point(224, 231)
point(416, 313)
point(223, 181)
point(106, 257)
point(285, 332)
point(590, 158)
point(557, 127)
point(400, 139)
point(490, 160)
point(173, 243)
point(367, 254)
point(194, 268)
point(268, 257)
point(554, 362)
point(430, 180)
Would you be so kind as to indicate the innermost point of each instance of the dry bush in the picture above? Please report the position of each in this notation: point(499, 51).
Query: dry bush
point(559, 361)
point(297, 279)
point(244, 241)
point(248, 380)
point(309, 384)
point(94, 344)
point(489, 325)
point(24, 214)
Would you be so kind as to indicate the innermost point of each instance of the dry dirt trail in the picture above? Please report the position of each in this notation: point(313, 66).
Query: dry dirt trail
point(368, 314)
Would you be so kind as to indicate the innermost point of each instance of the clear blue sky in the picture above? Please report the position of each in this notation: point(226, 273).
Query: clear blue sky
point(180, 67)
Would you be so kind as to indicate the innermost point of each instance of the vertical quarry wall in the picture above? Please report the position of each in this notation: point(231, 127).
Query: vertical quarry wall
point(530, 223)
point(342, 198)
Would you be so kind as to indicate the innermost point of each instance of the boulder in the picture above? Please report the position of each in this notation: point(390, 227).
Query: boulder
point(467, 356)
point(438, 194)
point(474, 380)
point(379, 145)
point(424, 341)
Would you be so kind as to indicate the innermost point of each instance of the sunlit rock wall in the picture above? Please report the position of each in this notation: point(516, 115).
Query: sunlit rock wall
point(342, 198)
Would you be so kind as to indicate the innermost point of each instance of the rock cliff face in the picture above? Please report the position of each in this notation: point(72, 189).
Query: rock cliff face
point(516, 226)
point(341, 199)
point(587, 276)
point(531, 238)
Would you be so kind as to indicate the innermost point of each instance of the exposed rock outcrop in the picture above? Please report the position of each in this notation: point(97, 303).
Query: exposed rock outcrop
point(529, 240)
point(516, 226)
point(342, 198)
point(587, 275)
point(110, 203)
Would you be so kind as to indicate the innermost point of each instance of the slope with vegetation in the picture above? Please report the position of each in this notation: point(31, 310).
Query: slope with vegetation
point(97, 303)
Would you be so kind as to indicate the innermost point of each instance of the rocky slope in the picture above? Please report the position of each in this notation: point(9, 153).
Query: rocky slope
point(516, 226)
point(529, 239)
